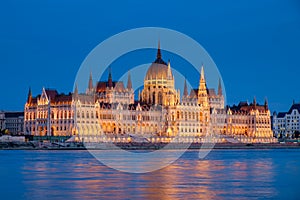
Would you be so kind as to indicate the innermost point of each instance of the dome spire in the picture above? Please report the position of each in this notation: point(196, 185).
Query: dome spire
point(158, 55)
point(159, 59)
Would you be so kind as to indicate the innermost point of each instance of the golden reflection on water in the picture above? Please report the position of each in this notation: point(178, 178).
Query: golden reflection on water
point(83, 177)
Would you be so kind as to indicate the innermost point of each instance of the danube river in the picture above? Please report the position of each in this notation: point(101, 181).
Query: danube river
point(223, 174)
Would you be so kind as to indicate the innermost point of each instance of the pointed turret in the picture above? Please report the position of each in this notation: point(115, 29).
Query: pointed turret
point(90, 86)
point(75, 93)
point(266, 104)
point(76, 89)
point(202, 90)
point(129, 83)
point(254, 101)
point(110, 84)
point(185, 91)
point(29, 97)
point(169, 72)
point(220, 92)
point(202, 77)
point(140, 99)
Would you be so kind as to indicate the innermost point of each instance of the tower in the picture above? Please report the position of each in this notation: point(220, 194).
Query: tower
point(202, 90)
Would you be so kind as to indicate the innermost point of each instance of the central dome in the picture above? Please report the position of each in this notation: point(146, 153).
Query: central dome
point(158, 69)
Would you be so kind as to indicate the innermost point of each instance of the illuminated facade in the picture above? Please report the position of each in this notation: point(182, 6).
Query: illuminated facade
point(285, 124)
point(108, 108)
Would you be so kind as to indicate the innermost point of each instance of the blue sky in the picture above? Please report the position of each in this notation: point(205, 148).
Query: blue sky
point(255, 44)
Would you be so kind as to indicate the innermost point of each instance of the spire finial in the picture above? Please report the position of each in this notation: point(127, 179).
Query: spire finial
point(254, 101)
point(158, 55)
point(202, 72)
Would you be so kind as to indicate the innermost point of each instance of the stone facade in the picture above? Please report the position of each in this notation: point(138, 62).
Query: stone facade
point(285, 124)
point(108, 108)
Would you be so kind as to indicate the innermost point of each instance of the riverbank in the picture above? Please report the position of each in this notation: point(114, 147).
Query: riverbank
point(141, 146)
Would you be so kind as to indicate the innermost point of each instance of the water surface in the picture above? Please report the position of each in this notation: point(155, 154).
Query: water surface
point(223, 174)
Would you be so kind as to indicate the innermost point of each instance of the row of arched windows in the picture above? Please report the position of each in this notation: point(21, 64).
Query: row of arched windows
point(87, 114)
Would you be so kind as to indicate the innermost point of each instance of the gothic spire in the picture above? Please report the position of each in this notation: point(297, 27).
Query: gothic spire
point(90, 86)
point(254, 101)
point(29, 98)
point(185, 91)
point(169, 72)
point(266, 104)
point(159, 59)
point(202, 82)
point(75, 93)
point(202, 90)
point(158, 55)
point(129, 83)
point(140, 97)
point(202, 77)
point(110, 84)
point(220, 92)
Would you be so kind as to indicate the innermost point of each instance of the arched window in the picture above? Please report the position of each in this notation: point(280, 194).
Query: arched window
point(153, 98)
point(92, 114)
point(159, 98)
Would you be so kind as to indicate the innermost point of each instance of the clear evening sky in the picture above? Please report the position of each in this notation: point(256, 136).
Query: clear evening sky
point(255, 44)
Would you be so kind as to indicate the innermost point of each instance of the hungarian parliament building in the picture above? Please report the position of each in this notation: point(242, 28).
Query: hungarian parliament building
point(108, 111)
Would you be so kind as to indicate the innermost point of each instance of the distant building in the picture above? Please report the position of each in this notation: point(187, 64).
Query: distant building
point(2, 120)
point(285, 124)
point(12, 121)
point(108, 108)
